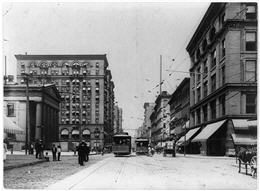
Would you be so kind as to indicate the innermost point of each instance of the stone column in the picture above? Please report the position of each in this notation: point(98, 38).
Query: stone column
point(38, 121)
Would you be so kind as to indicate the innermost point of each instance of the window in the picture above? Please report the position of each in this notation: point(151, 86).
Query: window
point(198, 54)
point(198, 75)
point(198, 94)
point(222, 101)
point(223, 48)
point(97, 65)
point(97, 72)
point(10, 110)
point(205, 113)
point(223, 75)
point(204, 45)
point(213, 83)
point(214, 59)
point(250, 71)
point(205, 71)
point(250, 41)
point(251, 103)
point(251, 12)
point(198, 116)
point(212, 33)
point(213, 109)
point(205, 89)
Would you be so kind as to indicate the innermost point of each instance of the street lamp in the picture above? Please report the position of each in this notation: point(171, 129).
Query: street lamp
point(26, 78)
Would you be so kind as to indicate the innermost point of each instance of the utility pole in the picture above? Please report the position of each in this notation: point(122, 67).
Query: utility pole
point(27, 114)
point(5, 77)
point(160, 74)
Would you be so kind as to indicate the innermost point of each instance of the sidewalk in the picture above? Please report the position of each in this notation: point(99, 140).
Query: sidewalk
point(19, 159)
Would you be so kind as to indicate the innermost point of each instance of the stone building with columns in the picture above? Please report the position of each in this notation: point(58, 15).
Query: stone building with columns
point(223, 81)
point(43, 111)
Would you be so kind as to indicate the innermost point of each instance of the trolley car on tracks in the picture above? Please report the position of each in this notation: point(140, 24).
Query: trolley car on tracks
point(121, 144)
point(141, 146)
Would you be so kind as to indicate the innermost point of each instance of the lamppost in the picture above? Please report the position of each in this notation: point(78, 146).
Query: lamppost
point(26, 78)
point(185, 131)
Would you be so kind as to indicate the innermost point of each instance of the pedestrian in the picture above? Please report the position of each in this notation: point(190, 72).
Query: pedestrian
point(87, 152)
point(81, 153)
point(31, 149)
point(54, 151)
point(41, 148)
point(5, 151)
point(37, 149)
point(59, 152)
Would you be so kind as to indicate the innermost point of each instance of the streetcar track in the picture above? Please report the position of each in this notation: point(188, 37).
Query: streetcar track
point(123, 163)
point(82, 179)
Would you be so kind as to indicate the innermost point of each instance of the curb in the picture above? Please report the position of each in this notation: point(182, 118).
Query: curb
point(23, 165)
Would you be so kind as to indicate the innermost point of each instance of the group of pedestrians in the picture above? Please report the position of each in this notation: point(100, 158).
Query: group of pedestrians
point(83, 153)
point(56, 151)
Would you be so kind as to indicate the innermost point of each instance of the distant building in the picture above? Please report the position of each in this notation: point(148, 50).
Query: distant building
point(179, 108)
point(148, 110)
point(158, 118)
point(118, 112)
point(223, 90)
point(43, 110)
point(87, 93)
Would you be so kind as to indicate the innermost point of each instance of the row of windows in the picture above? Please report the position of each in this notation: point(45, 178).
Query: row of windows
point(77, 120)
point(75, 64)
point(251, 41)
point(250, 108)
point(249, 76)
point(57, 72)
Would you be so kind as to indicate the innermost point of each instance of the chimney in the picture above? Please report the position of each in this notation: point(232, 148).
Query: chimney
point(25, 53)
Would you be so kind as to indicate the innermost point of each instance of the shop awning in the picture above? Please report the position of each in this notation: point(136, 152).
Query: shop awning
point(244, 124)
point(208, 131)
point(243, 139)
point(10, 126)
point(188, 135)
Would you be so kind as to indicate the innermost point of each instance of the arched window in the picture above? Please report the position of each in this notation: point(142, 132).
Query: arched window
point(212, 33)
point(204, 45)
point(198, 54)
point(75, 134)
point(86, 135)
point(64, 134)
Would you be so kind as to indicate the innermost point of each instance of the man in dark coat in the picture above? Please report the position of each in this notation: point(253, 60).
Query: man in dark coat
point(81, 153)
point(87, 152)
point(54, 152)
point(37, 149)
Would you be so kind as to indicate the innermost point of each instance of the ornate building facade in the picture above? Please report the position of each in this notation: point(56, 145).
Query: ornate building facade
point(87, 95)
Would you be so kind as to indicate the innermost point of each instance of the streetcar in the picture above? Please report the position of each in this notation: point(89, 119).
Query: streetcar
point(121, 144)
point(141, 146)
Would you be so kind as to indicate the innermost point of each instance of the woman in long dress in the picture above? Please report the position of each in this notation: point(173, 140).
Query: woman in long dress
point(5, 150)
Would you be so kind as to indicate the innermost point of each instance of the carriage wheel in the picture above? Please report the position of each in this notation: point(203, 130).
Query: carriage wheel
point(253, 164)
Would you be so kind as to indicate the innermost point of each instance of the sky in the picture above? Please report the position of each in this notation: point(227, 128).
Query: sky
point(133, 35)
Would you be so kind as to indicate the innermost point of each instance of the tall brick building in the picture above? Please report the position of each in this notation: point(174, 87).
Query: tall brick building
point(86, 88)
point(223, 90)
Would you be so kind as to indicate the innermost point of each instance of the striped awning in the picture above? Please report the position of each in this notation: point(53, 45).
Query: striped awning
point(244, 124)
point(10, 126)
point(208, 131)
point(244, 139)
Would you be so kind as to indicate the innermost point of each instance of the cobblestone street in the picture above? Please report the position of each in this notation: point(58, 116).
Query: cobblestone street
point(42, 175)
